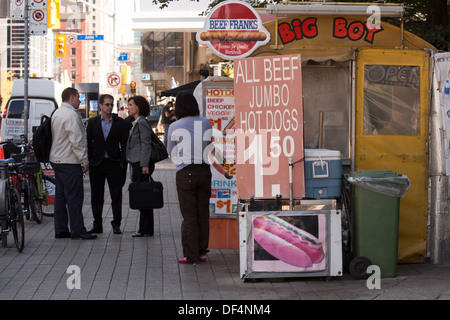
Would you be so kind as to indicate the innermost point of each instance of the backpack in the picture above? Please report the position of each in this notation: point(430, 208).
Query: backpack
point(42, 140)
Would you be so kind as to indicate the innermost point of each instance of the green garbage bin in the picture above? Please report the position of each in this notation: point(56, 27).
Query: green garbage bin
point(375, 216)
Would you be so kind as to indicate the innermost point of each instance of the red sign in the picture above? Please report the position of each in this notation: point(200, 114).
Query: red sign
point(114, 80)
point(233, 29)
point(38, 15)
point(269, 126)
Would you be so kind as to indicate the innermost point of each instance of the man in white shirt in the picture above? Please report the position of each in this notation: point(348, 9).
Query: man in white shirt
point(68, 157)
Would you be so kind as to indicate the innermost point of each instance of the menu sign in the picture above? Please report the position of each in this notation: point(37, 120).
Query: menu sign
point(269, 126)
point(219, 110)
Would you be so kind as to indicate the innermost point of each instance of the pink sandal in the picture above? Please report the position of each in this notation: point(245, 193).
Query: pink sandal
point(184, 260)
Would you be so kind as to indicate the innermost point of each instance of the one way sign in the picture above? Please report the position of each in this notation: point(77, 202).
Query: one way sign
point(114, 80)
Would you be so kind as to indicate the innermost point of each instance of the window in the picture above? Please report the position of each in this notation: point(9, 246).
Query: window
point(15, 110)
point(327, 105)
point(164, 49)
point(73, 63)
point(73, 51)
point(391, 100)
point(73, 75)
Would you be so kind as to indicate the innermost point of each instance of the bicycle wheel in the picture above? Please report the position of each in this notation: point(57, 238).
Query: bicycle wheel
point(34, 200)
point(3, 214)
point(16, 219)
point(47, 205)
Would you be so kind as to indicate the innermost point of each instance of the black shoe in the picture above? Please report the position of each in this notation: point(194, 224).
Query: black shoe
point(116, 230)
point(96, 230)
point(61, 235)
point(85, 236)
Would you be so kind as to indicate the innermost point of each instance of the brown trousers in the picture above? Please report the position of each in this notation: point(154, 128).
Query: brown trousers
point(194, 190)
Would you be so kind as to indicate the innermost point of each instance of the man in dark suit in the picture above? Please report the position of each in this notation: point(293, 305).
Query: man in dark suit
point(107, 136)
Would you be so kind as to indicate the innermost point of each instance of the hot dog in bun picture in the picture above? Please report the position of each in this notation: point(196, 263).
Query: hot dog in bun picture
point(233, 29)
point(286, 242)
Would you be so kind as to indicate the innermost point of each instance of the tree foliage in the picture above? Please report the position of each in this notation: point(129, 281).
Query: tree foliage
point(6, 85)
point(428, 19)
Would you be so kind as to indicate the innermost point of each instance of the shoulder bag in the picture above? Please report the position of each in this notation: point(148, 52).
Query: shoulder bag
point(159, 150)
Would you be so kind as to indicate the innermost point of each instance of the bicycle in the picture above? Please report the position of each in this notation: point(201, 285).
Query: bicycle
point(27, 169)
point(37, 188)
point(11, 214)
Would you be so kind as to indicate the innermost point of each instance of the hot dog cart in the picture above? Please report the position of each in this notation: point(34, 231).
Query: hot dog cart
point(362, 90)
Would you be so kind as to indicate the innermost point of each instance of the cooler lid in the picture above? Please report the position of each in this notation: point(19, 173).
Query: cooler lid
point(322, 153)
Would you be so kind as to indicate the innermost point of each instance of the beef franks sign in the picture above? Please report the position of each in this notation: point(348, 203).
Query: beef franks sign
point(269, 126)
point(232, 30)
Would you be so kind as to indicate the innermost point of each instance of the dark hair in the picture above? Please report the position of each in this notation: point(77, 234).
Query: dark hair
point(105, 96)
point(186, 106)
point(67, 93)
point(143, 105)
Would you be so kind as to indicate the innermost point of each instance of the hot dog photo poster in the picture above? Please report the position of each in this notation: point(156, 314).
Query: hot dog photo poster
point(288, 243)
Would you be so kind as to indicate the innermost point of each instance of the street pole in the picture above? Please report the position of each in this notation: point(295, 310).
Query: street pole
point(25, 81)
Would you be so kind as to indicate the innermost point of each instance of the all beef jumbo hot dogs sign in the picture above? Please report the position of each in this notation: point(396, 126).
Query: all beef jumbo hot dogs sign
point(232, 30)
point(269, 126)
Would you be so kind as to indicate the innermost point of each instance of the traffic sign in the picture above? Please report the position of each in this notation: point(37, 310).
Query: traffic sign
point(114, 80)
point(38, 3)
point(18, 9)
point(38, 22)
point(71, 39)
point(123, 56)
point(90, 37)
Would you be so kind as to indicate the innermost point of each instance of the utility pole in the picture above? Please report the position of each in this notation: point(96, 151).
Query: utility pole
point(25, 81)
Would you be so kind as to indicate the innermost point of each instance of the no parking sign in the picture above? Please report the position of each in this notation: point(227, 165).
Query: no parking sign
point(38, 21)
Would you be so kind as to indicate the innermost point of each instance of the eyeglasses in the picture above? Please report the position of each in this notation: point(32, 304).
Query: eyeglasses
point(109, 104)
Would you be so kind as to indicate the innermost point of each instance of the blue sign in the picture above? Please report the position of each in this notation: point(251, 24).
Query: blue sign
point(123, 56)
point(90, 37)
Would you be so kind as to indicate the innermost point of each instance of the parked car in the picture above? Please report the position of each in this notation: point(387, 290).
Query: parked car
point(155, 116)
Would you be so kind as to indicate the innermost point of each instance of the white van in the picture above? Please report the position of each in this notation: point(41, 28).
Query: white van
point(44, 96)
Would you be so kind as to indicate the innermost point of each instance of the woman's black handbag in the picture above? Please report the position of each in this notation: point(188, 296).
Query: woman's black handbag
point(159, 150)
point(146, 195)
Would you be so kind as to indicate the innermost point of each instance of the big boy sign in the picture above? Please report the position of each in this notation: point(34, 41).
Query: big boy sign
point(232, 30)
point(269, 126)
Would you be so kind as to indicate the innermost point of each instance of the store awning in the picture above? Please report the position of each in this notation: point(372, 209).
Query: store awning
point(189, 87)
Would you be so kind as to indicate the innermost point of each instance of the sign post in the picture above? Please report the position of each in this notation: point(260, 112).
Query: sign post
point(25, 74)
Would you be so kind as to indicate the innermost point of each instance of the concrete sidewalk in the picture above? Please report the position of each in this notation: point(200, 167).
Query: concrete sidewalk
point(126, 268)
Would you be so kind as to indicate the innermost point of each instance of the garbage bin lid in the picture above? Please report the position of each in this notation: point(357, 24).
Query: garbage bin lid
point(382, 181)
point(374, 174)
